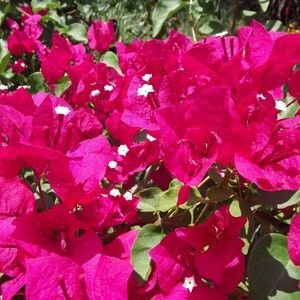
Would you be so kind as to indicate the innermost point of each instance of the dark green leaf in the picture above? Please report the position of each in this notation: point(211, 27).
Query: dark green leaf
point(295, 199)
point(163, 10)
point(4, 9)
point(36, 82)
point(272, 275)
point(212, 27)
point(37, 5)
point(216, 193)
point(272, 199)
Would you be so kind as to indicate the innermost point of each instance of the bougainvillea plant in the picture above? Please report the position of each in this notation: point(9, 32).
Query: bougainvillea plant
point(164, 169)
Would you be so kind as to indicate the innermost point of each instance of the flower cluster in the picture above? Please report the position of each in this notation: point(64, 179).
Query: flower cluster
point(172, 109)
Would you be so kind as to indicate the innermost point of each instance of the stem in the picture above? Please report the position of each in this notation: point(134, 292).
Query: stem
point(38, 181)
point(202, 213)
point(192, 22)
point(203, 181)
point(235, 15)
point(30, 62)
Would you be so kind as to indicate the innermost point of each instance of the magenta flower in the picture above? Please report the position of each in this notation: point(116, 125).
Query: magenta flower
point(190, 133)
point(32, 27)
point(18, 66)
point(58, 59)
point(293, 240)
point(274, 166)
point(201, 262)
point(100, 35)
point(19, 43)
point(59, 263)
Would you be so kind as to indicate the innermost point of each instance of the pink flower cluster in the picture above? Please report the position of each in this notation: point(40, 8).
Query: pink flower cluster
point(178, 106)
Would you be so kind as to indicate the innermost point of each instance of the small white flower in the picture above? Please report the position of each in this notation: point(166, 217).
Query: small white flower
point(189, 283)
point(26, 87)
point(127, 196)
point(3, 87)
point(115, 192)
point(280, 105)
point(260, 97)
point(122, 150)
point(112, 164)
point(147, 77)
point(62, 110)
point(150, 137)
point(94, 93)
point(145, 89)
point(108, 88)
point(221, 34)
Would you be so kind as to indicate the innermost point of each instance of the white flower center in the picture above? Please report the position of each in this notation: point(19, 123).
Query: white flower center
point(26, 87)
point(108, 87)
point(221, 34)
point(112, 164)
point(62, 110)
point(260, 97)
point(147, 77)
point(189, 283)
point(150, 137)
point(145, 89)
point(115, 192)
point(122, 150)
point(127, 196)
point(280, 105)
point(94, 93)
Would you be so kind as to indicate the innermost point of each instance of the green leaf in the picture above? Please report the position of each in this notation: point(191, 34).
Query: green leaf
point(211, 27)
point(37, 83)
point(291, 109)
point(219, 194)
point(249, 13)
point(77, 32)
point(275, 25)
point(57, 20)
point(111, 60)
point(4, 56)
point(163, 10)
point(264, 4)
point(37, 5)
point(295, 199)
point(168, 199)
point(148, 199)
point(61, 85)
point(4, 9)
point(272, 275)
point(271, 198)
point(149, 236)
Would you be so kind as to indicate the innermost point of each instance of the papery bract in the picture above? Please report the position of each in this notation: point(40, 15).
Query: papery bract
point(18, 66)
point(274, 166)
point(16, 198)
point(293, 240)
point(211, 250)
point(100, 35)
point(57, 61)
